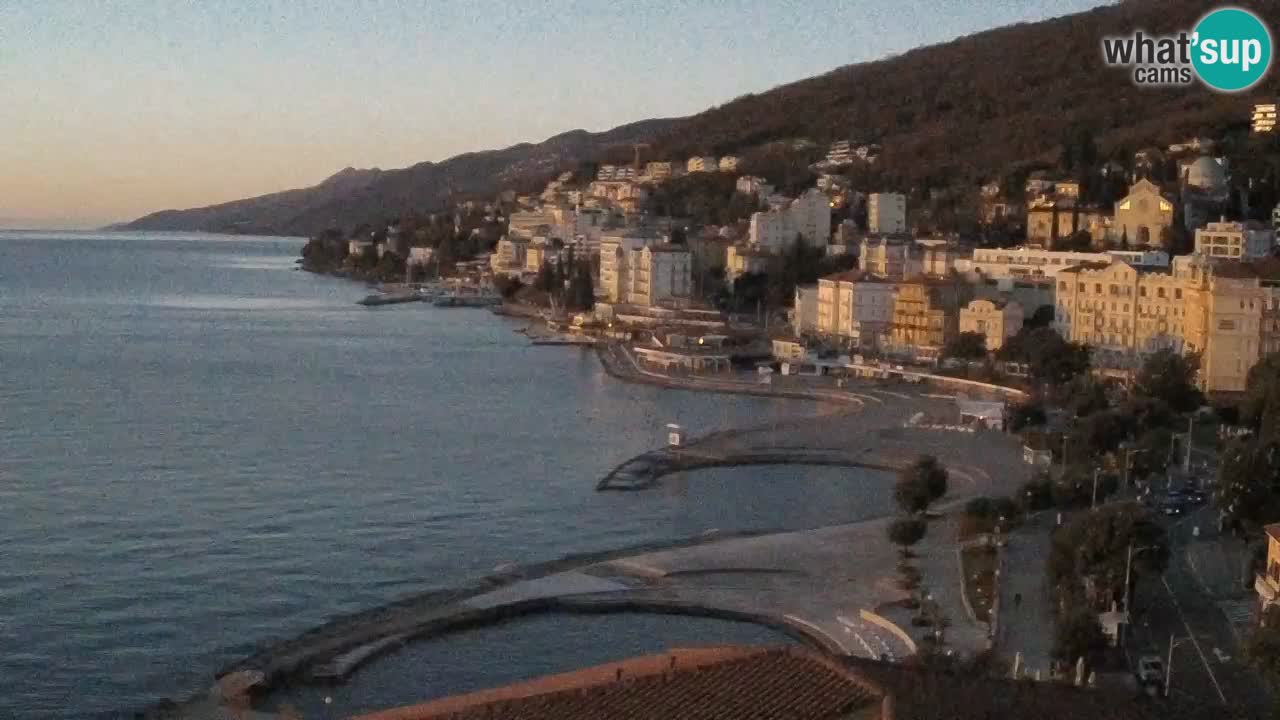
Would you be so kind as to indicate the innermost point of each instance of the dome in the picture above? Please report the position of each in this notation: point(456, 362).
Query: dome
point(1206, 175)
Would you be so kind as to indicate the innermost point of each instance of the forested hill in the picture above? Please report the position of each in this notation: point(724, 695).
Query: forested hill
point(956, 113)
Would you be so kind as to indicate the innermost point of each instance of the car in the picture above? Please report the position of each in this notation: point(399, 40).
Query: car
point(1173, 506)
point(1150, 670)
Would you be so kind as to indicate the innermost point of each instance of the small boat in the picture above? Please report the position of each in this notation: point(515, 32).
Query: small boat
point(388, 299)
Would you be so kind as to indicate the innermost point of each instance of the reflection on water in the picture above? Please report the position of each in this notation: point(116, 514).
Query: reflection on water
point(181, 483)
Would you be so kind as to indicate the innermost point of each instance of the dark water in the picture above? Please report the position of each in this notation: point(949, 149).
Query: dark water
point(202, 450)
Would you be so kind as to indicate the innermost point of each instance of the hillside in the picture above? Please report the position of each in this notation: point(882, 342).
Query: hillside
point(955, 113)
point(354, 196)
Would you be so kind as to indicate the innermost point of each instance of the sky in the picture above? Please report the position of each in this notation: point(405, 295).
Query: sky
point(111, 110)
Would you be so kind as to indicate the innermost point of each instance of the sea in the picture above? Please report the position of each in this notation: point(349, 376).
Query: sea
point(204, 449)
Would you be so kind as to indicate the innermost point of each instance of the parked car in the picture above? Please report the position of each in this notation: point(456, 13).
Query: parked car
point(1173, 506)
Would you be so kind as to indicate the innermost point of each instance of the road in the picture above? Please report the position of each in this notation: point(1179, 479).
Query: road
point(1176, 606)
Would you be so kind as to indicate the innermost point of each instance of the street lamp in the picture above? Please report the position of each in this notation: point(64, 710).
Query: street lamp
point(1168, 665)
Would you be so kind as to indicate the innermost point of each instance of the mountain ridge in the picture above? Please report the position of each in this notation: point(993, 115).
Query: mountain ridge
point(955, 113)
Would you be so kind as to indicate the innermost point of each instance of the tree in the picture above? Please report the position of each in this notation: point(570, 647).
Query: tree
point(1026, 415)
point(1171, 378)
point(546, 278)
point(1050, 359)
point(905, 532)
point(1260, 408)
point(1094, 547)
point(1248, 489)
point(920, 483)
point(1042, 317)
point(1262, 647)
point(966, 346)
point(1078, 635)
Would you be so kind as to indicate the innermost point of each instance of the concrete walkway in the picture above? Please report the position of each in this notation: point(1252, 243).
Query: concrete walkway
point(1027, 627)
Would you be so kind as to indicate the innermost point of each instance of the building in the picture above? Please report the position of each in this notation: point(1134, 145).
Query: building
point(1052, 220)
point(1032, 263)
point(886, 213)
point(926, 316)
point(742, 260)
point(729, 163)
point(1267, 584)
point(752, 185)
point(994, 320)
point(1125, 314)
point(855, 308)
point(1275, 220)
point(702, 163)
point(1205, 177)
point(1264, 118)
point(359, 248)
point(1142, 217)
point(889, 258)
point(421, 256)
point(804, 311)
point(615, 254)
point(1234, 241)
point(509, 256)
point(808, 217)
point(660, 275)
point(657, 171)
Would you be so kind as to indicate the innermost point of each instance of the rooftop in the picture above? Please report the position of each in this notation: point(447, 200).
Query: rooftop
point(1273, 531)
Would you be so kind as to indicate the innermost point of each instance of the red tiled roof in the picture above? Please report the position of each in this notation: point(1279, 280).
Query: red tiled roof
point(706, 684)
point(1273, 530)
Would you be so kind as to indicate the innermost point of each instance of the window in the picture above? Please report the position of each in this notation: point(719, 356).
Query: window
point(1081, 287)
point(1142, 291)
point(1226, 324)
point(1177, 293)
point(1097, 288)
point(1159, 292)
point(1062, 286)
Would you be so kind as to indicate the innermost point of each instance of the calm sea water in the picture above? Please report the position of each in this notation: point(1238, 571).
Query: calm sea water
point(203, 449)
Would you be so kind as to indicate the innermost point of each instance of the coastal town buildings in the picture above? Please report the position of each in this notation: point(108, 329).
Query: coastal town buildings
point(640, 267)
point(728, 163)
point(1142, 217)
point(744, 259)
point(807, 217)
point(359, 247)
point(1029, 262)
point(995, 320)
point(752, 185)
point(1124, 314)
point(702, 163)
point(891, 258)
point(1234, 240)
point(886, 213)
point(1050, 220)
point(804, 310)
point(926, 316)
point(657, 171)
point(1263, 119)
point(854, 307)
point(509, 256)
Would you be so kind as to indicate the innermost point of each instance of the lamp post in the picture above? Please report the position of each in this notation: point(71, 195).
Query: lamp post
point(1168, 665)
point(1093, 504)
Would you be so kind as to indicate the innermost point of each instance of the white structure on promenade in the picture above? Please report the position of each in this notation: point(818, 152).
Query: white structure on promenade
point(886, 213)
point(808, 216)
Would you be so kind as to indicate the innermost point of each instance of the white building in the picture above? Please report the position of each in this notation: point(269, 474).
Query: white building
point(855, 307)
point(1264, 117)
point(640, 268)
point(729, 163)
point(702, 163)
point(995, 320)
point(804, 312)
point(752, 185)
point(1234, 240)
point(808, 216)
point(1025, 262)
point(840, 153)
point(886, 213)
point(889, 258)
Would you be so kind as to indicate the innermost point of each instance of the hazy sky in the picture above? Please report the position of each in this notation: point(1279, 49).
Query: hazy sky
point(110, 110)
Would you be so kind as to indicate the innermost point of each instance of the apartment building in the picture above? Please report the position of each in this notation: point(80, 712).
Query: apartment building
point(728, 163)
point(702, 163)
point(1234, 241)
point(1125, 314)
point(1028, 262)
point(855, 308)
point(752, 185)
point(639, 268)
point(886, 213)
point(657, 171)
point(926, 316)
point(808, 216)
point(995, 320)
point(742, 260)
point(1263, 120)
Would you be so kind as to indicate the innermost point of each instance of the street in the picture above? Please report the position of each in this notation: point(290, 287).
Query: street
point(1206, 667)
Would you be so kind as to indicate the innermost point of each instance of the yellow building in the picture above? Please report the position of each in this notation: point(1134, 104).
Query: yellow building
point(854, 308)
point(1124, 314)
point(926, 315)
point(994, 320)
point(1268, 583)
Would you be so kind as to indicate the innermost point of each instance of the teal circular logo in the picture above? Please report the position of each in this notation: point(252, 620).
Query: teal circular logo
point(1231, 49)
